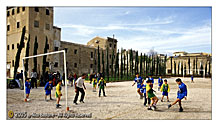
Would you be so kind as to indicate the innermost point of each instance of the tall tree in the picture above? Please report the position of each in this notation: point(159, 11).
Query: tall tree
point(99, 66)
point(182, 68)
point(21, 46)
point(189, 66)
point(35, 53)
point(165, 64)
point(157, 68)
point(136, 63)
point(144, 64)
point(124, 63)
point(196, 68)
point(112, 64)
point(201, 70)
point(178, 67)
point(185, 69)
point(127, 64)
point(205, 71)
point(116, 73)
point(209, 68)
point(107, 66)
point(26, 55)
point(44, 57)
point(121, 64)
point(171, 64)
point(175, 67)
point(141, 64)
point(103, 64)
point(131, 67)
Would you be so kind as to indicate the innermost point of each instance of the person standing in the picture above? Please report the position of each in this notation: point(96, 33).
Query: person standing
point(79, 85)
point(33, 75)
point(160, 82)
point(192, 79)
point(101, 85)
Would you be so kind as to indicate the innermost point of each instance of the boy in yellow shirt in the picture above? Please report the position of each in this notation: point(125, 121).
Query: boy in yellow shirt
point(58, 93)
point(165, 88)
point(150, 94)
point(94, 82)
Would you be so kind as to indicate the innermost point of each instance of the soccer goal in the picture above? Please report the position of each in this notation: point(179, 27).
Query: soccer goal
point(65, 71)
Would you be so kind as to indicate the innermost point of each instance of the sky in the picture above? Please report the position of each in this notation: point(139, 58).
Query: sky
point(164, 29)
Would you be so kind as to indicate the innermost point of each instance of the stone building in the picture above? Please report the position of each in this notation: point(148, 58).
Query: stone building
point(39, 24)
point(200, 64)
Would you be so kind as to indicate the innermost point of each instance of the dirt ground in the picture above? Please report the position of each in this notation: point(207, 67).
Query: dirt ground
point(122, 102)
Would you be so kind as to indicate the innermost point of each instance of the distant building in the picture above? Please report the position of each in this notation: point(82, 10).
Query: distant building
point(200, 64)
point(39, 24)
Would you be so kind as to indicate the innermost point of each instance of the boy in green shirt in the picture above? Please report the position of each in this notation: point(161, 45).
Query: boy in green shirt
point(150, 94)
point(101, 85)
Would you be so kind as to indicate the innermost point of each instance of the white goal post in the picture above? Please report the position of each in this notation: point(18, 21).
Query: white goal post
point(65, 71)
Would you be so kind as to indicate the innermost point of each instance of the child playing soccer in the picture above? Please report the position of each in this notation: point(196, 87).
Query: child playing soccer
point(182, 93)
point(160, 82)
point(27, 89)
point(94, 82)
point(139, 80)
point(101, 85)
point(192, 79)
point(165, 88)
point(147, 100)
point(58, 93)
point(150, 94)
point(48, 88)
point(150, 78)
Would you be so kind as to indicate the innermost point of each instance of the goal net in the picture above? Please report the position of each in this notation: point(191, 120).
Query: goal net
point(65, 71)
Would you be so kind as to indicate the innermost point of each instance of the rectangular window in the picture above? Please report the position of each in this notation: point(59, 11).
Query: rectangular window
point(47, 26)
point(47, 11)
point(36, 24)
point(65, 50)
point(12, 11)
point(12, 46)
point(18, 10)
point(56, 48)
point(12, 63)
point(110, 45)
point(36, 9)
point(91, 54)
point(114, 45)
point(23, 8)
point(18, 45)
point(56, 64)
point(8, 47)
point(75, 51)
point(91, 65)
point(8, 13)
point(18, 24)
point(8, 27)
point(75, 65)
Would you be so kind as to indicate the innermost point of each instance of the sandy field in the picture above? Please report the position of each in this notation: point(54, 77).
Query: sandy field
point(122, 102)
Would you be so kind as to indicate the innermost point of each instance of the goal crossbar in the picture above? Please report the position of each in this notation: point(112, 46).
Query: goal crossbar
point(45, 54)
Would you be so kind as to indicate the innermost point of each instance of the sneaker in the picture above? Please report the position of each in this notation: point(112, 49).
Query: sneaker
point(169, 106)
point(181, 110)
point(57, 106)
point(168, 100)
point(46, 100)
point(51, 99)
point(75, 103)
point(149, 108)
point(161, 100)
point(82, 102)
point(27, 99)
point(105, 96)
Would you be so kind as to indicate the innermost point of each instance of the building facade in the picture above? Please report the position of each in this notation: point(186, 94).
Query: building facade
point(39, 26)
point(187, 64)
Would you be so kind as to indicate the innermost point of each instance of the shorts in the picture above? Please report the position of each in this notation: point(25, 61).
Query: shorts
point(27, 91)
point(94, 85)
point(151, 95)
point(57, 96)
point(47, 92)
point(165, 93)
point(139, 86)
point(180, 96)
